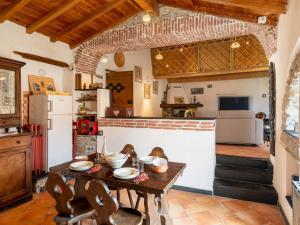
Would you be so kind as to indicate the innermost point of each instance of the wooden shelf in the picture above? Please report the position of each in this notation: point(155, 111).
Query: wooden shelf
point(87, 100)
point(87, 114)
point(86, 89)
point(180, 105)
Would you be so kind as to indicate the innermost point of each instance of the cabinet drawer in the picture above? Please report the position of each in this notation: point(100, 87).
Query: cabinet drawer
point(9, 122)
point(13, 142)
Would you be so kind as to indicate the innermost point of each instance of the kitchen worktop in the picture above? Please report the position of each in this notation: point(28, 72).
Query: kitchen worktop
point(163, 118)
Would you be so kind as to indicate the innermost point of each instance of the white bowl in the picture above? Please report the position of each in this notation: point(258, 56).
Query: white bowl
point(114, 156)
point(160, 165)
point(116, 163)
point(147, 159)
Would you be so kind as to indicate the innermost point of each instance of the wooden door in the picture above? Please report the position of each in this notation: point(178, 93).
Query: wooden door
point(121, 86)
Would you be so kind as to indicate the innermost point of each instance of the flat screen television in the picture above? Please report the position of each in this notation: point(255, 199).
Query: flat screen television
point(233, 103)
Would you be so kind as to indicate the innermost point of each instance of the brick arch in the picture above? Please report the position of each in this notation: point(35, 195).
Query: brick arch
point(188, 28)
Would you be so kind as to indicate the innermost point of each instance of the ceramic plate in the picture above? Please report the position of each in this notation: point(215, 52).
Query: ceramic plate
point(126, 173)
point(81, 165)
point(82, 157)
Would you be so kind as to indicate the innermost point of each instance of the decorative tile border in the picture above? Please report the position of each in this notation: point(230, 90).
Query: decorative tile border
point(167, 124)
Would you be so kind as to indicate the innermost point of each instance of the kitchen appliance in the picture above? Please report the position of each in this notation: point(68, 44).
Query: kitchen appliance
point(83, 126)
point(54, 113)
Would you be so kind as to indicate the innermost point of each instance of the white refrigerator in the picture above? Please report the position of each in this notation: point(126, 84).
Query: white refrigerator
point(54, 113)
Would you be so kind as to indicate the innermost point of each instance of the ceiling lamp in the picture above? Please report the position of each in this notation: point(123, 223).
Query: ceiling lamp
point(235, 44)
point(159, 56)
point(147, 18)
point(103, 59)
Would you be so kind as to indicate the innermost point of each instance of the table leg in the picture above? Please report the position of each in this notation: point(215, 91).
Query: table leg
point(163, 210)
point(150, 209)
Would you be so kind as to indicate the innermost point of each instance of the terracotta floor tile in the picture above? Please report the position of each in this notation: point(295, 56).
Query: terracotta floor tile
point(185, 209)
point(206, 218)
point(246, 151)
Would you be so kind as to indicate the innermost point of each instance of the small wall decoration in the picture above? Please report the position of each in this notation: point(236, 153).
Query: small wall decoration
point(197, 91)
point(38, 83)
point(138, 74)
point(147, 90)
point(178, 99)
point(119, 59)
point(155, 87)
point(209, 86)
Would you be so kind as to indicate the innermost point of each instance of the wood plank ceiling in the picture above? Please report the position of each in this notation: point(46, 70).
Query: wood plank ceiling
point(75, 21)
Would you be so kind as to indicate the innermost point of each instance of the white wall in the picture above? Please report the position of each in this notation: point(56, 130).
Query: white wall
point(14, 38)
point(254, 88)
point(142, 58)
point(195, 148)
point(288, 45)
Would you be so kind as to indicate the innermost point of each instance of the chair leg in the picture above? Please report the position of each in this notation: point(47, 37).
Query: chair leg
point(137, 202)
point(130, 198)
point(118, 196)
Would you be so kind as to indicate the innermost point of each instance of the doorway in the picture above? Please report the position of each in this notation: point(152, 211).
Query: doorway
point(121, 86)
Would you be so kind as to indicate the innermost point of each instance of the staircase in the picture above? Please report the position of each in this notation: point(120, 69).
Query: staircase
point(244, 178)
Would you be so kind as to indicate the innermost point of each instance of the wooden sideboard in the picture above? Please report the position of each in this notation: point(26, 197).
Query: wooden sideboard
point(15, 169)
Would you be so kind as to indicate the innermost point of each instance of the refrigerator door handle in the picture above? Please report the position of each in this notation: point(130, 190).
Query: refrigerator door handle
point(49, 124)
point(50, 106)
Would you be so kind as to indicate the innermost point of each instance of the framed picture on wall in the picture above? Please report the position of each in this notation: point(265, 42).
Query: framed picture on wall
point(155, 87)
point(197, 91)
point(138, 74)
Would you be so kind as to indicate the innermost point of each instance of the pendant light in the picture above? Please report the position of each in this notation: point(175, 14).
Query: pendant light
point(146, 18)
point(159, 56)
point(103, 59)
point(235, 44)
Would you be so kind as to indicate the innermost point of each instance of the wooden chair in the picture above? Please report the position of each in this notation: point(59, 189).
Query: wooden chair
point(127, 149)
point(107, 207)
point(159, 152)
point(71, 210)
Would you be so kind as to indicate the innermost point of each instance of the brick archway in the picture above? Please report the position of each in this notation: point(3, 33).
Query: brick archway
point(186, 28)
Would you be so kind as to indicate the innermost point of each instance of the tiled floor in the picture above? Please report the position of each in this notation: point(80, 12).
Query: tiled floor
point(246, 151)
point(185, 209)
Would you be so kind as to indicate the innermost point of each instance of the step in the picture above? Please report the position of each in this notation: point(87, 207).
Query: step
point(248, 174)
point(245, 191)
point(242, 161)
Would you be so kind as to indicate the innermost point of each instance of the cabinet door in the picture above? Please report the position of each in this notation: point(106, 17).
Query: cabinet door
point(15, 174)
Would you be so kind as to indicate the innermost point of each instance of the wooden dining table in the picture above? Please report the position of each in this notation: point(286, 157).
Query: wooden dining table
point(154, 189)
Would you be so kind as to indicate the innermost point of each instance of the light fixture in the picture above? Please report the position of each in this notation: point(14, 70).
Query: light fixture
point(167, 65)
point(103, 59)
point(146, 18)
point(159, 56)
point(235, 44)
point(2, 78)
point(181, 49)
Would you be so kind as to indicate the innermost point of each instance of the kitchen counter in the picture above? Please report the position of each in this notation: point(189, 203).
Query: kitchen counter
point(166, 118)
point(191, 141)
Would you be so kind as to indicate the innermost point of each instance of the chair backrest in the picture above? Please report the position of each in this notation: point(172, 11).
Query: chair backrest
point(158, 151)
point(129, 149)
point(62, 192)
point(102, 200)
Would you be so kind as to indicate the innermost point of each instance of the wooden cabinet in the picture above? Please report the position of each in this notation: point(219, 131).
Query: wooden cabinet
point(15, 169)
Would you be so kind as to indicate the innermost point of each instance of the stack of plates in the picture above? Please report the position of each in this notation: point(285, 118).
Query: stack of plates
point(126, 173)
point(81, 165)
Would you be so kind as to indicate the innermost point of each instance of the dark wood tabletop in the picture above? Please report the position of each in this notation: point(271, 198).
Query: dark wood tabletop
point(156, 184)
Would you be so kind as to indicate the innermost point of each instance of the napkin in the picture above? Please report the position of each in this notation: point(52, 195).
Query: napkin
point(141, 177)
point(94, 169)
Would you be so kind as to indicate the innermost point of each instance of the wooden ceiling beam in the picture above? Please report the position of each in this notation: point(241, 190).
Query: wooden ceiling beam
point(51, 16)
point(112, 25)
point(264, 6)
point(12, 9)
point(99, 11)
point(223, 11)
point(149, 6)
